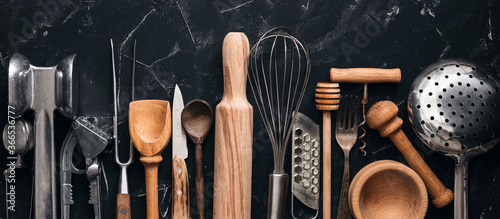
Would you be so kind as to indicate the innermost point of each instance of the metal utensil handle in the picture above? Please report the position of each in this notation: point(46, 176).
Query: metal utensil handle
point(276, 198)
point(343, 210)
point(45, 171)
point(461, 189)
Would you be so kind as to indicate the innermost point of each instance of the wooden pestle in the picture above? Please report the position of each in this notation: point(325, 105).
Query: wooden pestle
point(150, 128)
point(327, 99)
point(233, 134)
point(382, 116)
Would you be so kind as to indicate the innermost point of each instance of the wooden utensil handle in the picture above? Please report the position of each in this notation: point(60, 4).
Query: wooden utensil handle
point(382, 116)
point(235, 49)
point(327, 163)
point(200, 182)
point(151, 169)
point(441, 196)
point(180, 189)
point(123, 206)
point(365, 75)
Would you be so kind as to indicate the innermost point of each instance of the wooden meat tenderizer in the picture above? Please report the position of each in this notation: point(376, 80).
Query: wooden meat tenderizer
point(327, 99)
point(382, 116)
point(233, 134)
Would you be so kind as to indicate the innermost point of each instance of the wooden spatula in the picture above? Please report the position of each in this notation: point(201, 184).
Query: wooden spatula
point(150, 128)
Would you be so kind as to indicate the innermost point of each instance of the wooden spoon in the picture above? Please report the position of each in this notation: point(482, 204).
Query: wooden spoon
point(150, 128)
point(197, 119)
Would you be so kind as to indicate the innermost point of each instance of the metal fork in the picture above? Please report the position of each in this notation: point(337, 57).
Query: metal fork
point(123, 197)
point(346, 133)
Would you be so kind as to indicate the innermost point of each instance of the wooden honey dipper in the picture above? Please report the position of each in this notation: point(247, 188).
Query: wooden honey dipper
point(327, 99)
point(382, 116)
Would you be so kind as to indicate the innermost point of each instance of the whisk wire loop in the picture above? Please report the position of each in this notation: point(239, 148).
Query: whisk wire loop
point(278, 86)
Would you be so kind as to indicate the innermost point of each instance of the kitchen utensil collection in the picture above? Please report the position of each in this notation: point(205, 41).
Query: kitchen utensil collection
point(305, 162)
point(327, 99)
point(280, 68)
point(451, 105)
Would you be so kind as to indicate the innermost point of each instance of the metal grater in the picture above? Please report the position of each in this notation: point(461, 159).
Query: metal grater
point(306, 162)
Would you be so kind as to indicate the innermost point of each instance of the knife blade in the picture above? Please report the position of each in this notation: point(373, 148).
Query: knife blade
point(180, 180)
point(179, 142)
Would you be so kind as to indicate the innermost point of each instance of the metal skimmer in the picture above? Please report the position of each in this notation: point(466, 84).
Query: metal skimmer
point(453, 108)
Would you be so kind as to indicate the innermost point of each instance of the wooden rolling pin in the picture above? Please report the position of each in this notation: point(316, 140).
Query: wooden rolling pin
point(382, 116)
point(233, 134)
point(365, 75)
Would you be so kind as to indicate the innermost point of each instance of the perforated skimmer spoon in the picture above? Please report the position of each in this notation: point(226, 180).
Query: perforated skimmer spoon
point(452, 106)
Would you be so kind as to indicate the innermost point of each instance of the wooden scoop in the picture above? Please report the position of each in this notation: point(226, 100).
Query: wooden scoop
point(327, 99)
point(150, 127)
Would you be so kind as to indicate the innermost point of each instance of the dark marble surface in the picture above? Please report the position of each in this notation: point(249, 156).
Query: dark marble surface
point(179, 42)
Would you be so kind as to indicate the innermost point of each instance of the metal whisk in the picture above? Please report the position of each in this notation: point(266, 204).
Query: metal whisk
point(280, 68)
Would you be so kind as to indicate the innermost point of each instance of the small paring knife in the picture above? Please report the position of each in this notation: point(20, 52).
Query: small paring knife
point(180, 181)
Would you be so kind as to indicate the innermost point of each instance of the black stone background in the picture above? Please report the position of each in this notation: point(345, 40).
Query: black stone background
point(179, 42)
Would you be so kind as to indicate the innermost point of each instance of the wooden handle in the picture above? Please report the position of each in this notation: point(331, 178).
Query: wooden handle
point(365, 75)
point(382, 116)
point(235, 51)
point(327, 163)
point(200, 182)
point(123, 206)
point(180, 189)
point(151, 169)
point(233, 135)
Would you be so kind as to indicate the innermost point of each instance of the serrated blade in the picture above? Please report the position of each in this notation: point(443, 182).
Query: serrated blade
point(179, 142)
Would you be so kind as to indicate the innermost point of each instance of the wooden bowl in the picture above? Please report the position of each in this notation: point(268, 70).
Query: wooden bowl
point(387, 189)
